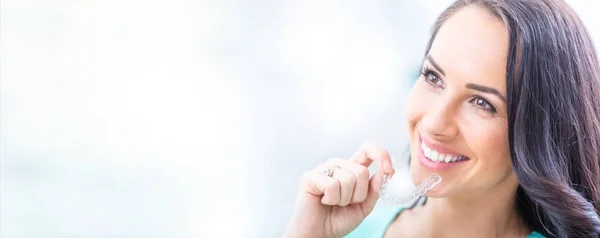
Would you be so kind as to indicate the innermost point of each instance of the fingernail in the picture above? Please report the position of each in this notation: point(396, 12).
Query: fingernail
point(387, 167)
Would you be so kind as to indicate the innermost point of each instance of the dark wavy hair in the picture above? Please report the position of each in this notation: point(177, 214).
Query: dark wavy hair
point(553, 90)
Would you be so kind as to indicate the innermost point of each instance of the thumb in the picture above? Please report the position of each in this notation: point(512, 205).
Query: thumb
point(375, 183)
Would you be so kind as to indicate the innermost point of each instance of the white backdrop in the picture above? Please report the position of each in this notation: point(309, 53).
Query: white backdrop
point(131, 118)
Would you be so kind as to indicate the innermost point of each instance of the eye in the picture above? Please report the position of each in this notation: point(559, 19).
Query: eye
point(481, 103)
point(432, 78)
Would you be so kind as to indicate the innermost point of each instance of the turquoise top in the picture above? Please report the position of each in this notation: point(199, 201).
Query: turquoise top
point(375, 225)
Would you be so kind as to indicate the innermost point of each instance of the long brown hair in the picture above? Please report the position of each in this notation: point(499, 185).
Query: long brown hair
point(553, 90)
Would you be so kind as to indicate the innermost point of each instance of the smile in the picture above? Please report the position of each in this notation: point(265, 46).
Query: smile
point(440, 157)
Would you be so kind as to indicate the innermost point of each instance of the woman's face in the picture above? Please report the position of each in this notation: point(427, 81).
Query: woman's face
point(457, 111)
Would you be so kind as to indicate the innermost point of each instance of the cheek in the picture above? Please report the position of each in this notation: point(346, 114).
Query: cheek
point(486, 136)
point(489, 140)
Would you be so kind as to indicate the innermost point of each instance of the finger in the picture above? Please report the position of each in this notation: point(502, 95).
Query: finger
point(370, 153)
point(347, 180)
point(374, 185)
point(318, 184)
point(361, 187)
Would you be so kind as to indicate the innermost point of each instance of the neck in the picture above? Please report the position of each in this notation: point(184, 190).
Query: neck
point(492, 213)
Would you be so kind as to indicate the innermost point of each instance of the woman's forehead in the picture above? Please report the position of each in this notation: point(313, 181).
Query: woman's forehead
point(472, 44)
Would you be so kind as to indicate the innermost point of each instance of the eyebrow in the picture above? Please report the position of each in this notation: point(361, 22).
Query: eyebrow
point(485, 89)
point(435, 65)
point(477, 87)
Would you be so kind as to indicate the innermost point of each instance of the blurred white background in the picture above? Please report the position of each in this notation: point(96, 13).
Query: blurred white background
point(180, 118)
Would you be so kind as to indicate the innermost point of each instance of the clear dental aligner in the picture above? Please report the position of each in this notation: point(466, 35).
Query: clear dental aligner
point(427, 184)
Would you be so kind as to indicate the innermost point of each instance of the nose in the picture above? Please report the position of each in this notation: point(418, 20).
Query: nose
point(440, 122)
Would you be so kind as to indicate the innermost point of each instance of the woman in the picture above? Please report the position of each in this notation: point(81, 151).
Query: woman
point(507, 111)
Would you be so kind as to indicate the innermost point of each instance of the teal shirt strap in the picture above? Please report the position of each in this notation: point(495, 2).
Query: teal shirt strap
point(377, 223)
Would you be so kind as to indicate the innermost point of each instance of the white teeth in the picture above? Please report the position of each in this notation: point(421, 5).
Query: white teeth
point(438, 157)
point(434, 156)
point(441, 158)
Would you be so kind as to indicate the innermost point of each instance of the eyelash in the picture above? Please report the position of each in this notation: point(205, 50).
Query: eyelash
point(487, 107)
point(426, 72)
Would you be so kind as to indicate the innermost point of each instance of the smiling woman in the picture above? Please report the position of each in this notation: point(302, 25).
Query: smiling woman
point(506, 112)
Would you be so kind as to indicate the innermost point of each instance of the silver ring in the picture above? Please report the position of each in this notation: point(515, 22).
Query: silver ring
point(328, 172)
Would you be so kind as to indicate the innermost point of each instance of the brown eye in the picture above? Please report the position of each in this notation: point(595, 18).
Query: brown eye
point(432, 78)
point(481, 103)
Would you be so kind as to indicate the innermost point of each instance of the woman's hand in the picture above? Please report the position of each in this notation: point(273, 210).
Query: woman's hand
point(334, 206)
